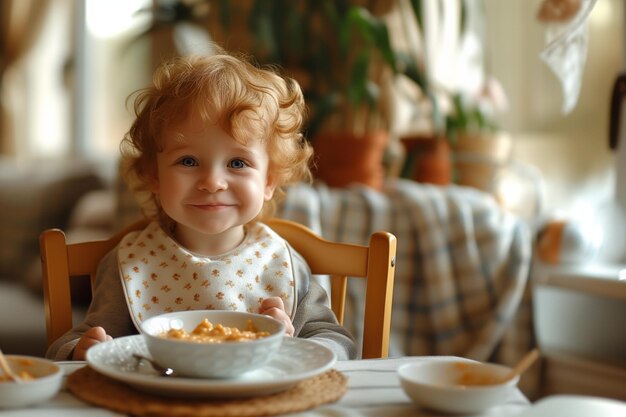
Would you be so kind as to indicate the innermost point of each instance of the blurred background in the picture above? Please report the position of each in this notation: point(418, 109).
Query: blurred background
point(68, 66)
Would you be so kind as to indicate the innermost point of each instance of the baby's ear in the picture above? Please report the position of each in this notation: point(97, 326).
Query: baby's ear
point(270, 187)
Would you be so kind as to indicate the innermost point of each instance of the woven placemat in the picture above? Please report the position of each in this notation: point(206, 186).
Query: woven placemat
point(102, 391)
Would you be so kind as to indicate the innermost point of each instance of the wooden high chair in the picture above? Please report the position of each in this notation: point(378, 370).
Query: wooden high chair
point(375, 263)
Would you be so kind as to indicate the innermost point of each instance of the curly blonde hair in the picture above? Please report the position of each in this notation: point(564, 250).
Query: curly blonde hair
point(242, 99)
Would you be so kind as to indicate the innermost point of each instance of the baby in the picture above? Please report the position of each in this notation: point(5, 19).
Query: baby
point(214, 143)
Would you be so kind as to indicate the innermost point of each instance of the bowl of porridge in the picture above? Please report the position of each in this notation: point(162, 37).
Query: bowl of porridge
point(40, 380)
point(457, 387)
point(212, 343)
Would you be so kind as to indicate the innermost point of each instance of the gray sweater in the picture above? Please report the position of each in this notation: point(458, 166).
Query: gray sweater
point(313, 319)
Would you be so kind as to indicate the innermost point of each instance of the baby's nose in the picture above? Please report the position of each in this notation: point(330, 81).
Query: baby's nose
point(212, 180)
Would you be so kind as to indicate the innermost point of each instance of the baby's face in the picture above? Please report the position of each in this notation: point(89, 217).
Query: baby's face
point(210, 184)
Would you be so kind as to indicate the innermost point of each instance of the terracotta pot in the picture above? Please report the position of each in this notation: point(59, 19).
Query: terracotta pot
point(428, 159)
point(342, 159)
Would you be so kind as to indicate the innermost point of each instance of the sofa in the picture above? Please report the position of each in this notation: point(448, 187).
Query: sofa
point(35, 196)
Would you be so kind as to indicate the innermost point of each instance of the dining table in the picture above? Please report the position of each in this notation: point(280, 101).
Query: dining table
point(373, 389)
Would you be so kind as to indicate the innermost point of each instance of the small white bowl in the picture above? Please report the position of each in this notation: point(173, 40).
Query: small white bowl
point(212, 360)
point(455, 386)
point(48, 378)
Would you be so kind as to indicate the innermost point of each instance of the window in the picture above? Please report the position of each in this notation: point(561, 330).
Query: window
point(74, 82)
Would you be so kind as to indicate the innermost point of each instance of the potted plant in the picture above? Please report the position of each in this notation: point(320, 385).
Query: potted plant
point(340, 53)
point(480, 148)
point(464, 144)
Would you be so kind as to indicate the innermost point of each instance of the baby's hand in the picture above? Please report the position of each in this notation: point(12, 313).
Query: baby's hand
point(274, 307)
point(90, 338)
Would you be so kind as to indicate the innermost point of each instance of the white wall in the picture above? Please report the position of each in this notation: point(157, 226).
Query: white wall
point(570, 150)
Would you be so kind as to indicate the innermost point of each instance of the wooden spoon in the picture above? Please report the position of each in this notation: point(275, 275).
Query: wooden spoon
point(523, 364)
point(4, 365)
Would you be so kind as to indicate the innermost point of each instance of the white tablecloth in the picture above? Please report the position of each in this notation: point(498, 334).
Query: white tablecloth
point(373, 390)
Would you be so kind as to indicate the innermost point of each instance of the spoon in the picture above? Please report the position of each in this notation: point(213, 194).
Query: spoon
point(523, 364)
point(4, 365)
point(163, 371)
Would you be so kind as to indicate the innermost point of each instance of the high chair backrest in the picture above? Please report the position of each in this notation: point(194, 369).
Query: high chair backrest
point(374, 262)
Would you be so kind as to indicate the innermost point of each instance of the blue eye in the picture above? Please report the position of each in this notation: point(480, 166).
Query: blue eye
point(188, 161)
point(237, 164)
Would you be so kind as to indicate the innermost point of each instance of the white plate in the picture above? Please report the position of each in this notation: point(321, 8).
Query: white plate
point(69, 367)
point(298, 359)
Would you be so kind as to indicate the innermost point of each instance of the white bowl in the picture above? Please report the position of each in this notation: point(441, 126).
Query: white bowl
point(455, 386)
point(212, 360)
point(47, 382)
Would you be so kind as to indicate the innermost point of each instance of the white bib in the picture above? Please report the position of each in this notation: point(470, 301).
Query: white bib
point(160, 276)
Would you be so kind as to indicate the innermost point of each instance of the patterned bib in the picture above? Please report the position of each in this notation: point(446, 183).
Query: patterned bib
point(160, 276)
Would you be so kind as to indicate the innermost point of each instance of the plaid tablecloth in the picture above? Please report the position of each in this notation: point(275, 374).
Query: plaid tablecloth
point(462, 264)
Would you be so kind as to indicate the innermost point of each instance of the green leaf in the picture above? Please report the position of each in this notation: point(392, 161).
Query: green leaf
point(358, 78)
point(461, 119)
point(372, 93)
point(373, 31)
point(324, 107)
point(417, 11)
point(408, 66)
point(439, 120)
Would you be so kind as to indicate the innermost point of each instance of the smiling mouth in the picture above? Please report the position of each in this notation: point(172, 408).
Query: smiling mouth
point(211, 206)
